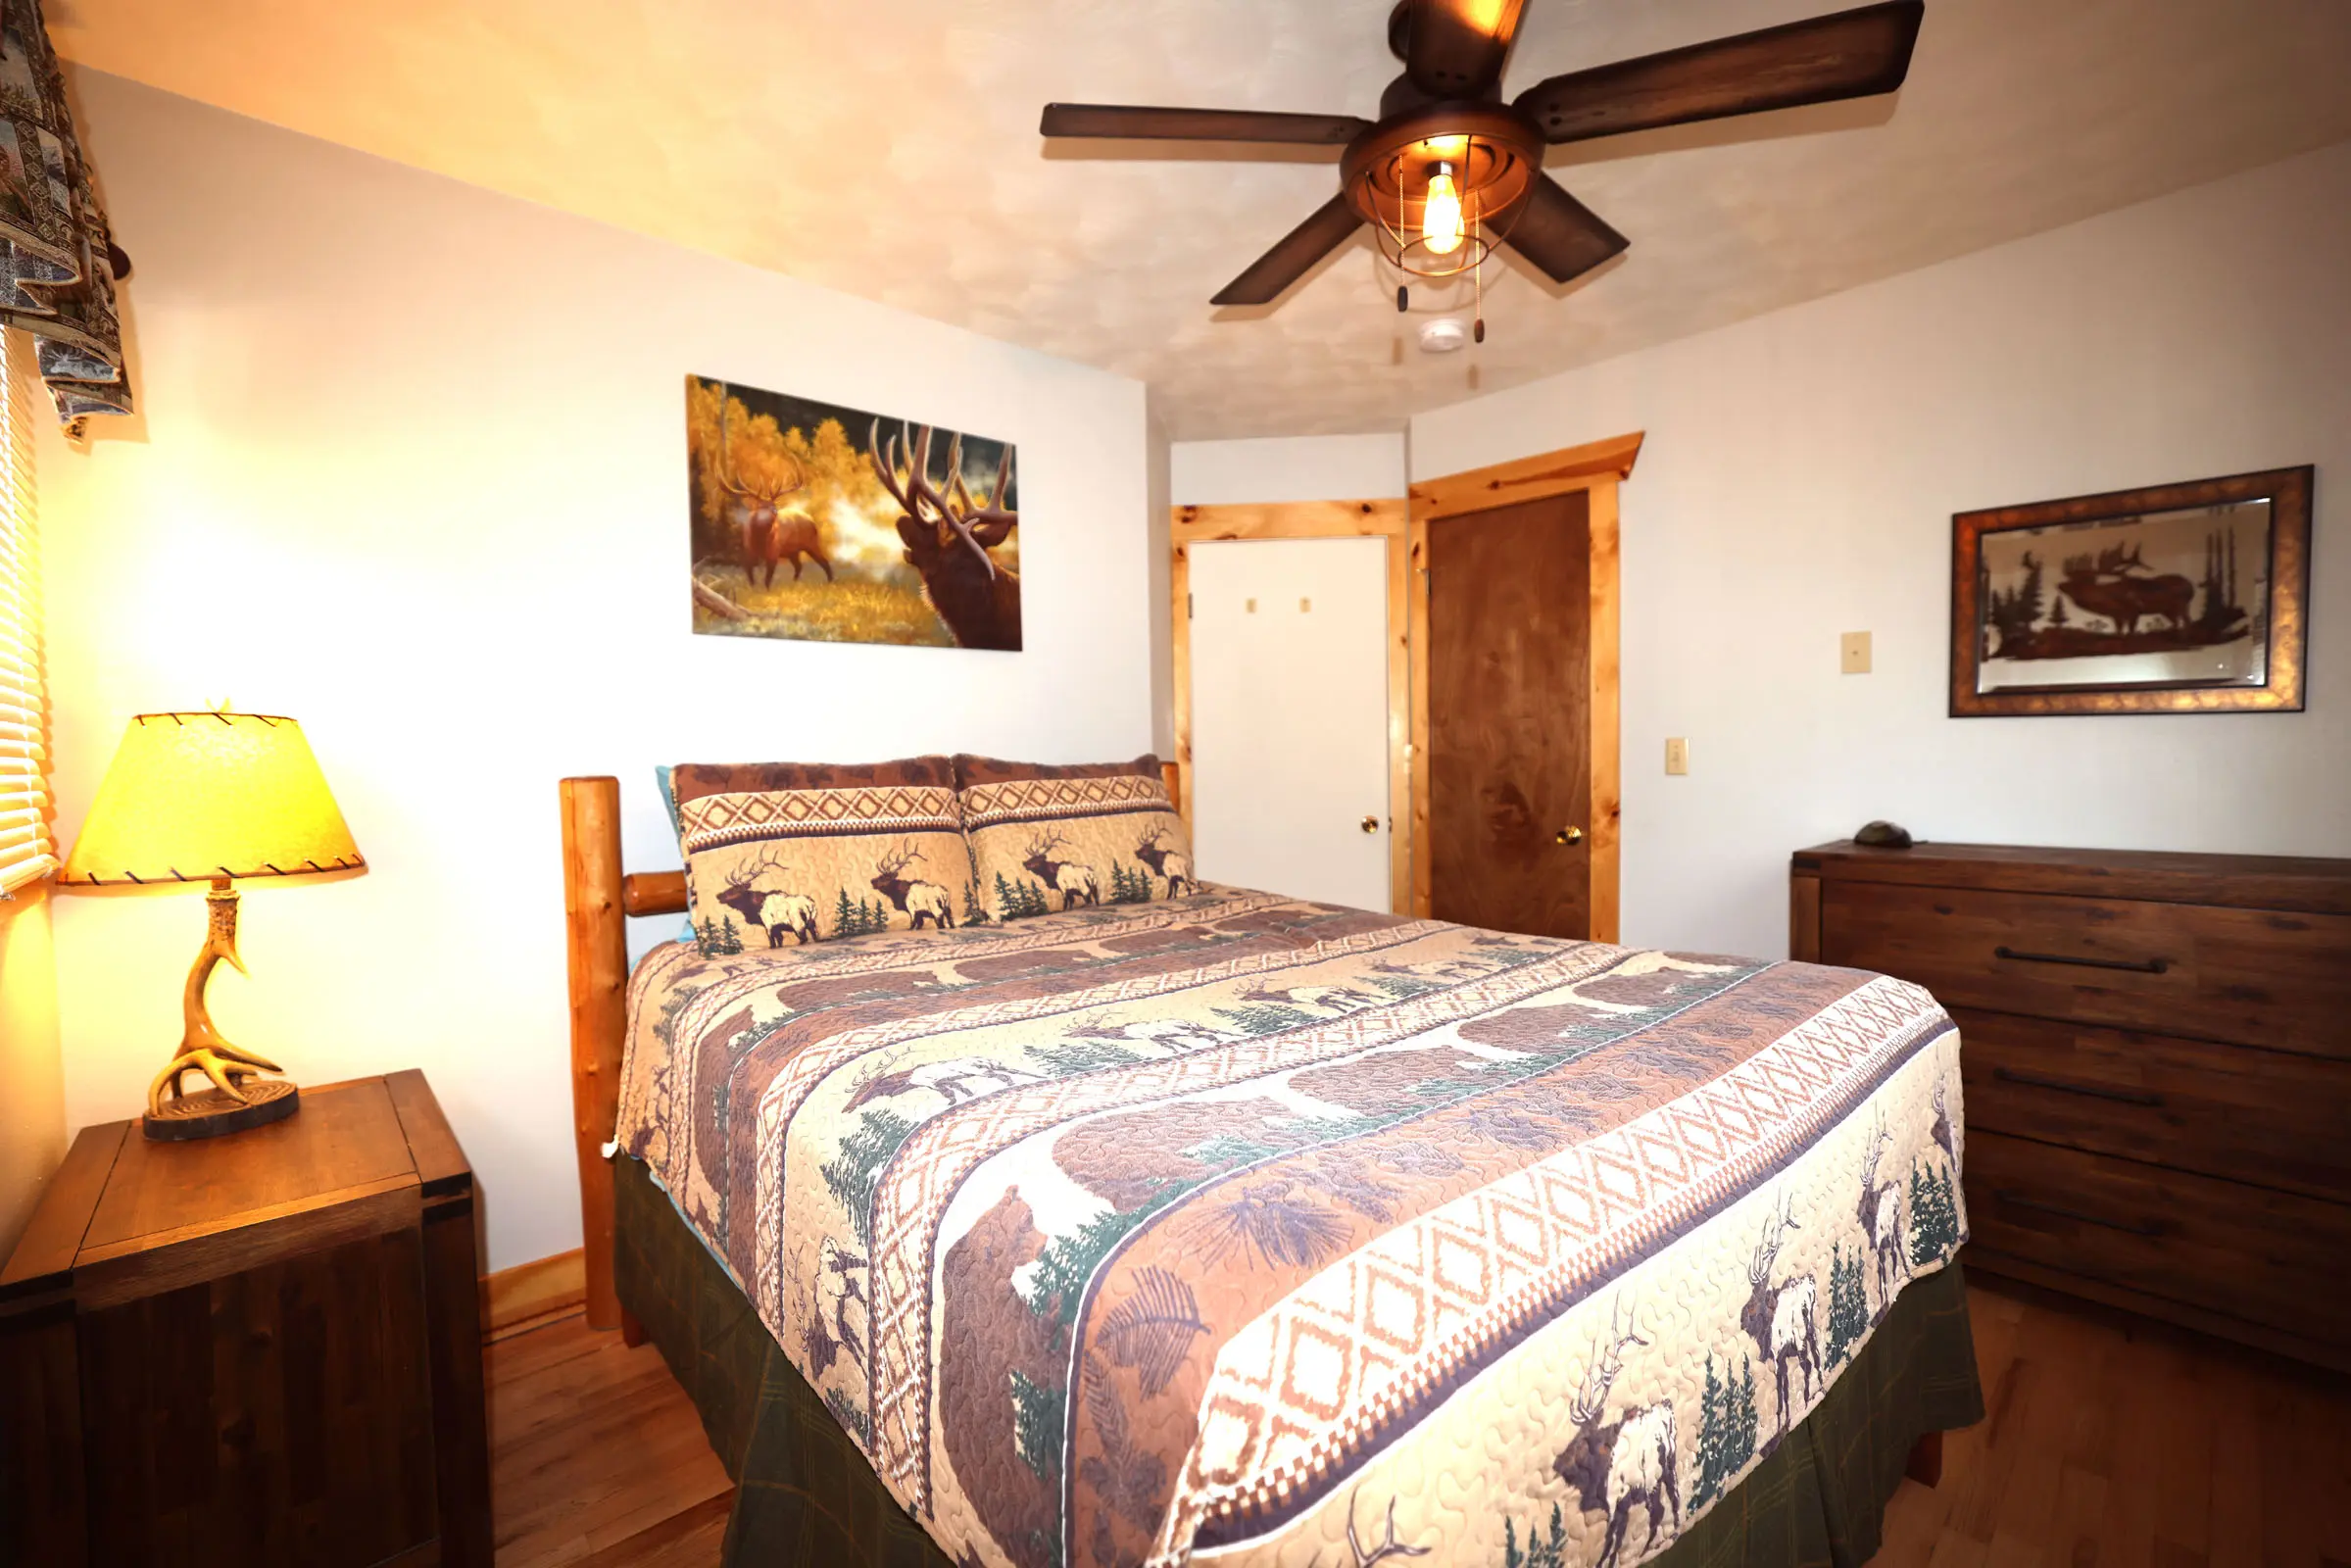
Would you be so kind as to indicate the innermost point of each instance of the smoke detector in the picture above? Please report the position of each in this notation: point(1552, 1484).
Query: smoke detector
point(1443, 336)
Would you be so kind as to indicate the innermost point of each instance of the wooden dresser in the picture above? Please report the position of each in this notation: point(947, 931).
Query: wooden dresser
point(2156, 1056)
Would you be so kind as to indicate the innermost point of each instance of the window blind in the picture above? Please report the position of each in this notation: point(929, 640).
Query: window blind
point(27, 852)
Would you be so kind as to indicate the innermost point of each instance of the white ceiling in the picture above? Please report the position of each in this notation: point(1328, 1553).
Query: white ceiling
point(889, 148)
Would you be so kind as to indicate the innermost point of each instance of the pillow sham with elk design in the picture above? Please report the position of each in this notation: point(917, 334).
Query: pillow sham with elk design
point(787, 854)
point(1045, 838)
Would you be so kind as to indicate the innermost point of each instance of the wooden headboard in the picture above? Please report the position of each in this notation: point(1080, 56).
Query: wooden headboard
point(598, 898)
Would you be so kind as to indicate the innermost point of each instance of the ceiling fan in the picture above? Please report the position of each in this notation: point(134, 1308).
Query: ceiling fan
point(1449, 171)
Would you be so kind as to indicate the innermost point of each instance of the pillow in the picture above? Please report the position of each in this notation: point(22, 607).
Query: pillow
point(1047, 838)
point(785, 854)
point(661, 781)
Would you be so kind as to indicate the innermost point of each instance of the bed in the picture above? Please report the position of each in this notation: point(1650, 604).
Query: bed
point(1233, 1228)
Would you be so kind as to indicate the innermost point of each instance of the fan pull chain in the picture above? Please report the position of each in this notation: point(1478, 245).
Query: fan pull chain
point(1477, 283)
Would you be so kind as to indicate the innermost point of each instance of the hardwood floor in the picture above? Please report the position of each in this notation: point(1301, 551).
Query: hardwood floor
point(2116, 1443)
point(597, 1456)
point(2110, 1443)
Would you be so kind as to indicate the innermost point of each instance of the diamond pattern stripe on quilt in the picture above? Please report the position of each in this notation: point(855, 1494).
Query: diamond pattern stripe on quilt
point(1333, 1367)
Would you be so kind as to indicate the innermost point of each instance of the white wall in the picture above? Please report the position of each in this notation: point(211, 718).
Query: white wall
point(32, 1098)
point(411, 469)
point(1304, 467)
point(1275, 468)
point(1798, 480)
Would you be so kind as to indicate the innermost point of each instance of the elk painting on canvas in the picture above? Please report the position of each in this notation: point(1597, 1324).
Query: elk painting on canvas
point(821, 522)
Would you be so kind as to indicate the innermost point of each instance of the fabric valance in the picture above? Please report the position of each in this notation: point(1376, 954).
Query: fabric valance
point(57, 256)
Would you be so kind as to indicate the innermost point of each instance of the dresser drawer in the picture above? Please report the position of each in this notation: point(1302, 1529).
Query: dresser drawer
point(2268, 1258)
point(2262, 1117)
point(2250, 976)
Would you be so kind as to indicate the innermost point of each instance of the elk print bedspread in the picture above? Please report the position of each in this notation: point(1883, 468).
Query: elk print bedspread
point(1235, 1228)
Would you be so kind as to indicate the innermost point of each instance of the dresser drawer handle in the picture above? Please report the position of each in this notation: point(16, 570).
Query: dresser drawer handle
point(2016, 1200)
point(2134, 967)
point(2066, 1085)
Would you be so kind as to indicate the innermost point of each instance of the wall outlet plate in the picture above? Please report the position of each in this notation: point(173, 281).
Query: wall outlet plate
point(1853, 652)
point(1676, 755)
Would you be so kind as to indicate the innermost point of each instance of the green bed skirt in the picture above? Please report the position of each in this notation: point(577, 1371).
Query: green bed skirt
point(806, 1497)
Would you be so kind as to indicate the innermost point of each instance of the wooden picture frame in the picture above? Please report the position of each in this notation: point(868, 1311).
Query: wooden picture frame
point(2118, 635)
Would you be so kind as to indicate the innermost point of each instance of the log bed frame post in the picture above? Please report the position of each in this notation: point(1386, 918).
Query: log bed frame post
point(598, 901)
point(596, 949)
point(598, 898)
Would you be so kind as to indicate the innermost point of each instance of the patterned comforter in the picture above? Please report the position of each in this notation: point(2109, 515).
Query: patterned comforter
point(1239, 1228)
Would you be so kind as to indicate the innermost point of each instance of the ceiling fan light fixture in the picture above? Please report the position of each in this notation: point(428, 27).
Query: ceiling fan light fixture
point(1450, 170)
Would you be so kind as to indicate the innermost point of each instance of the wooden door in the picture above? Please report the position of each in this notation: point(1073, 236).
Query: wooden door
point(1290, 716)
point(1509, 716)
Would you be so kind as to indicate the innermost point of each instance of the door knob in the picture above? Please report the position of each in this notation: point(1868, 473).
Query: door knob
point(1568, 835)
point(1371, 824)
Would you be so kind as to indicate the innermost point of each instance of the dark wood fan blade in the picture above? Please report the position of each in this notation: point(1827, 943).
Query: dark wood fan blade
point(1454, 48)
point(1559, 234)
point(1130, 121)
point(1292, 256)
point(1852, 54)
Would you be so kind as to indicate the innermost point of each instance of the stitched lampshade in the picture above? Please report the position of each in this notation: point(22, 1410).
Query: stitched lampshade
point(191, 797)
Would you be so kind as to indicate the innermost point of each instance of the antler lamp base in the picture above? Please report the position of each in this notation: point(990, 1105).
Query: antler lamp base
point(239, 1097)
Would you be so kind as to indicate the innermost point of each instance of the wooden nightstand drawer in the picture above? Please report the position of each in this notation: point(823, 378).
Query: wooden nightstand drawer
point(256, 1349)
point(2256, 977)
point(2268, 1117)
point(283, 1413)
point(2269, 1258)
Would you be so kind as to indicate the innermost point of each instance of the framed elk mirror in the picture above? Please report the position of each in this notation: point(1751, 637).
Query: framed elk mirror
point(2183, 598)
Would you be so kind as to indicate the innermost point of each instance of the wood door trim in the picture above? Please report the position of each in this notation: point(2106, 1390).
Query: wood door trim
point(1533, 478)
point(1385, 519)
point(1603, 839)
point(1288, 519)
point(1597, 468)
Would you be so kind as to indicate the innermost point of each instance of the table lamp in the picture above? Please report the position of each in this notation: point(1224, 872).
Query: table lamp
point(212, 798)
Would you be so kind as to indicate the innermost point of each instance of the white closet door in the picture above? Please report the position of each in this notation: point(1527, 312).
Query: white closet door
point(1290, 716)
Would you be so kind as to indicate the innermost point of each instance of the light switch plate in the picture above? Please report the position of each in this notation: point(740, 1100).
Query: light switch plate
point(1676, 755)
point(1853, 652)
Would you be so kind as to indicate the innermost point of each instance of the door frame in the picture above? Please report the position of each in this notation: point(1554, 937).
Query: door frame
point(1307, 519)
point(1597, 467)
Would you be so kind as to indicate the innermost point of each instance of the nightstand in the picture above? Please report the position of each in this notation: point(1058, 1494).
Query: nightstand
point(253, 1349)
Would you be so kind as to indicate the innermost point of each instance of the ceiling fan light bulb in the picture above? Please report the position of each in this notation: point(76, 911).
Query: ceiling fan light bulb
point(1441, 213)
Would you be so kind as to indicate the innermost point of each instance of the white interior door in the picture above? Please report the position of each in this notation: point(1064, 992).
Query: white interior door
point(1290, 716)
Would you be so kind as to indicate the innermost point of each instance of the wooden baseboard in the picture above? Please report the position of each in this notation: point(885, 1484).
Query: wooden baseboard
point(524, 1296)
